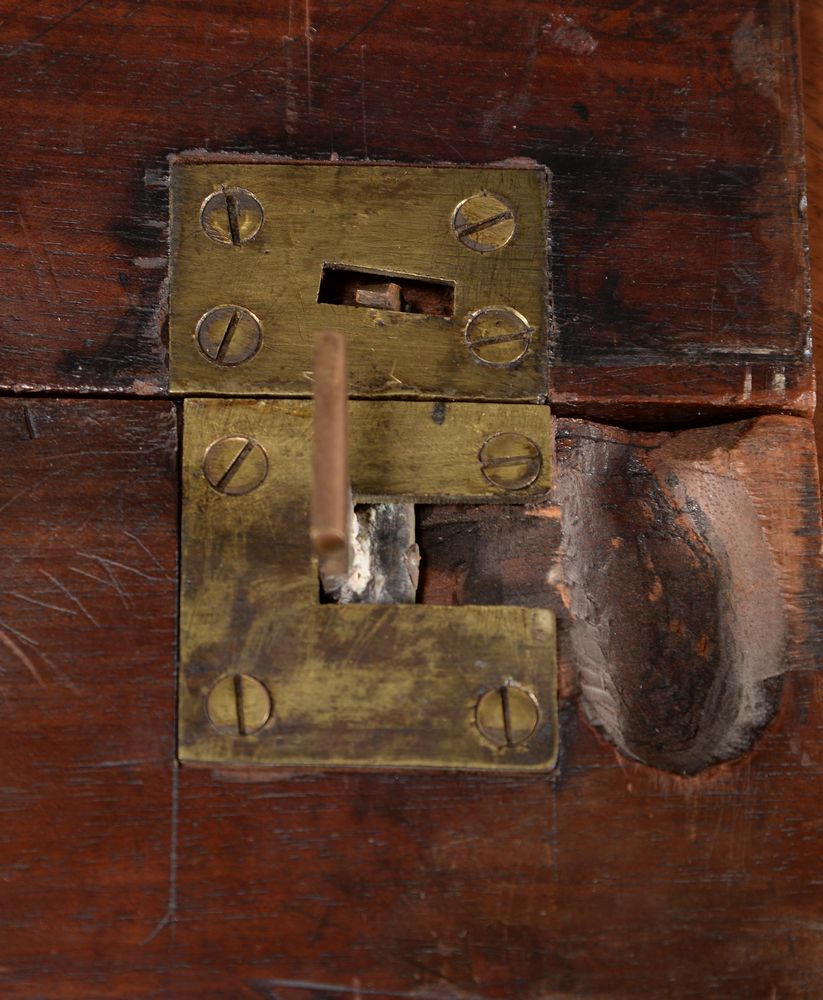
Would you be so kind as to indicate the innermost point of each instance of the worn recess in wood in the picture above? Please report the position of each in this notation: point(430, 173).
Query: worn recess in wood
point(685, 569)
point(672, 132)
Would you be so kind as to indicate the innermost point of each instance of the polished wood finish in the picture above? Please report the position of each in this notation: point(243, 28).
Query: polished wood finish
point(125, 875)
point(673, 133)
point(811, 12)
point(87, 637)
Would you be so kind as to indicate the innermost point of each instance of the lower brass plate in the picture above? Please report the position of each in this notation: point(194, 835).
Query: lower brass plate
point(269, 675)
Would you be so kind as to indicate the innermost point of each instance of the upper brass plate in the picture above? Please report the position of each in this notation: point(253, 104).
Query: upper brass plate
point(254, 241)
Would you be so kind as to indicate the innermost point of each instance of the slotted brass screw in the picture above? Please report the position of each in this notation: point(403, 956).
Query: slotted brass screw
point(507, 716)
point(483, 222)
point(510, 460)
point(231, 216)
point(229, 335)
point(235, 465)
point(239, 704)
point(498, 336)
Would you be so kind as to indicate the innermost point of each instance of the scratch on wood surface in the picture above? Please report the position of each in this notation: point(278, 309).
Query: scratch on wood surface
point(381, 10)
point(53, 274)
point(31, 426)
point(308, 31)
point(169, 918)
point(104, 764)
point(146, 549)
point(37, 262)
point(445, 141)
point(105, 563)
point(72, 597)
point(49, 28)
point(11, 645)
point(268, 987)
point(363, 99)
point(229, 77)
point(16, 632)
point(112, 582)
point(42, 604)
point(58, 673)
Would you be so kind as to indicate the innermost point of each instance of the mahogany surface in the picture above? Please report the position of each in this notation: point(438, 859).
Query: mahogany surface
point(126, 876)
point(673, 132)
point(87, 636)
point(811, 12)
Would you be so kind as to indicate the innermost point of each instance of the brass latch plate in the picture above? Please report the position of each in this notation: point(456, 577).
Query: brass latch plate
point(269, 674)
point(437, 276)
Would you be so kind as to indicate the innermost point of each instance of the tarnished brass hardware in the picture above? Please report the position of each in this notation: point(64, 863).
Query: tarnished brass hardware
point(357, 685)
point(231, 216)
point(498, 336)
point(228, 335)
point(507, 716)
point(396, 225)
point(437, 279)
point(484, 222)
point(238, 704)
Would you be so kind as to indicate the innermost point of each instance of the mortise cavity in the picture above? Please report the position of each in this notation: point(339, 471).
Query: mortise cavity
point(346, 286)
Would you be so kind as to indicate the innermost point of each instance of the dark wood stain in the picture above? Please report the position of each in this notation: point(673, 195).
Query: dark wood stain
point(655, 121)
point(673, 132)
point(125, 875)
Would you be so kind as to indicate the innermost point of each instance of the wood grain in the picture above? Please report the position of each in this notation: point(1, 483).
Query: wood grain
point(811, 33)
point(673, 135)
point(680, 286)
point(125, 876)
point(87, 634)
point(683, 595)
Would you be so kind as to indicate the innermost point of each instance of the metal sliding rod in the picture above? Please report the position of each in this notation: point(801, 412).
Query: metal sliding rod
point(331, 501)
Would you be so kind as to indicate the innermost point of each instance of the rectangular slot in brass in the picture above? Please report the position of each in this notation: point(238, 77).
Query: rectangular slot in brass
point(347, 286)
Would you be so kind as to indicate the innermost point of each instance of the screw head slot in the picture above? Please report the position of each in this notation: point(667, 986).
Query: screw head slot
point(231, 216)
point(235, 465)
point(229, 335)
point(483, 222)
point(510, 460)
point(507, 716)
point(498, 336)
point(239, 704)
